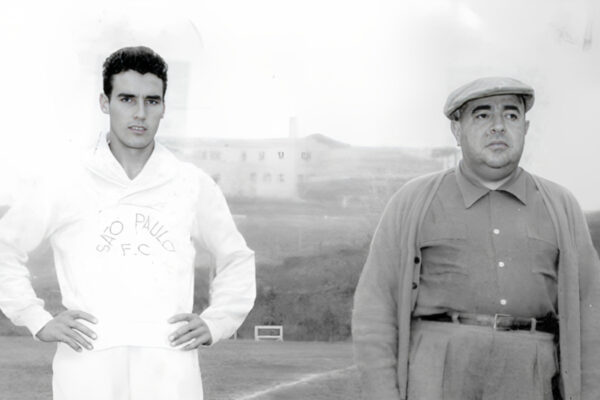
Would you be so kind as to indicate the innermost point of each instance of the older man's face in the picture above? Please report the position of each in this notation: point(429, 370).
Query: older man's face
point(491, 132)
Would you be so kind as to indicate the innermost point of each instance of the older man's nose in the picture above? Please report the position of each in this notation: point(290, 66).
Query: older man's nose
point(498, 124)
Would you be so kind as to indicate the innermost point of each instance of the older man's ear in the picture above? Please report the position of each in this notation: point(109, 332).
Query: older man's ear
point(455, 128)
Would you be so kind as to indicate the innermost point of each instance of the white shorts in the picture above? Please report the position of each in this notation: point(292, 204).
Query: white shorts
point(126, 373)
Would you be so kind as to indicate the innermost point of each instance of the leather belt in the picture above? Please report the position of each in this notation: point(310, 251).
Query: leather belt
point(498, 322)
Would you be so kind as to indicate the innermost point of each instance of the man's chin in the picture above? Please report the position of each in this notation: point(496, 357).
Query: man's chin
point(139, 142)
point(502, 162)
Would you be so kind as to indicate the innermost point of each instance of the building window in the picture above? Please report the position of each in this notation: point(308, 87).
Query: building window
point(244, 156)
point(267, 178)
point(253, 177)
point(281, 178)
point(280, 154)
point(215, 155)
point(305, 155)
point(261, 155)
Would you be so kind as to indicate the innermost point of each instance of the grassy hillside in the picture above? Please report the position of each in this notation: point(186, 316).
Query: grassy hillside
point(311, 296)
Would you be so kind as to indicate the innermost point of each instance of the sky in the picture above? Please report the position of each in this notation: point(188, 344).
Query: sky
point(369, 73)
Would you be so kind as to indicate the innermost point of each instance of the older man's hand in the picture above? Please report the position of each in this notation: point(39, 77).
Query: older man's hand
point(193, 334)
point(66, 328)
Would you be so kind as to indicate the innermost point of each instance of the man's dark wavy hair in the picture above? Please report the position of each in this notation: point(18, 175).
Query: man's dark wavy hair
point(140, 58)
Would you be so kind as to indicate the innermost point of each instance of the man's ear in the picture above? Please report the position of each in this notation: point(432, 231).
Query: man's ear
point(456, 130)
point(104, 103)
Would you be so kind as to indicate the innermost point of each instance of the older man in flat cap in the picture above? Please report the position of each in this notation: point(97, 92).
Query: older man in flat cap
point(482, 281)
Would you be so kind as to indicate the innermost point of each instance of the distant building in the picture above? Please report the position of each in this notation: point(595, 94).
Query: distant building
point(315, 166)
point(265, 168)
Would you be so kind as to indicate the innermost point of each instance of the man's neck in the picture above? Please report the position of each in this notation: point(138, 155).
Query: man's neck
point(487, 183)
point(493, 185)
point(132, 160)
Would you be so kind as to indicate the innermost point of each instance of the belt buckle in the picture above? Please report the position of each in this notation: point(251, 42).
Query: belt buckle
point(496, 316)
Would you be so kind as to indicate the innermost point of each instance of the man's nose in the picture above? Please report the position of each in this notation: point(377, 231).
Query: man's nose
point(140, 110)
point(498, 124)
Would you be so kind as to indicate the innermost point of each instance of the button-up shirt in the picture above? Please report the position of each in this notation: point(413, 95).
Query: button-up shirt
point(488, 251)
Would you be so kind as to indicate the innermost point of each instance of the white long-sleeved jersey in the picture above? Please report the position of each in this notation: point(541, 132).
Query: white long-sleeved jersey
point(124, 251)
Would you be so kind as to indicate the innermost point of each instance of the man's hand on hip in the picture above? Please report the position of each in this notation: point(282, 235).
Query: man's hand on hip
point(194, 333)
point(66, 328)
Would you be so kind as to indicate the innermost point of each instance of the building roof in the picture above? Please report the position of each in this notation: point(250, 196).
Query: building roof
point(195, 142)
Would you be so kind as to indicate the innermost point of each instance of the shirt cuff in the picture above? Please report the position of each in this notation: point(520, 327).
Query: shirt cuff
point(34, 318)
point(216, 328)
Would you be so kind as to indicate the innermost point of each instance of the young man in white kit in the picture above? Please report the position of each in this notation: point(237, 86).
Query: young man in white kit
point(123, 226)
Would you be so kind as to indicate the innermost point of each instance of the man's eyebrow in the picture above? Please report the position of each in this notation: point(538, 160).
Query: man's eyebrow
point(511, 107)
point(151, 97)
point(479, 108)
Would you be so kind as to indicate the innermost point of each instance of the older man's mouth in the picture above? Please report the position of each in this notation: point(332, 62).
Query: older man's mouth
point(497, 145)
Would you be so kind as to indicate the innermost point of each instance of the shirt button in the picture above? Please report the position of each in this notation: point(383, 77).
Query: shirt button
point(501, 264)
point(503, 302)
point(496, 231)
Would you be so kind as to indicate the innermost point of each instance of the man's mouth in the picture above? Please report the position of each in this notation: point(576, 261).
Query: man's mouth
point(137, 128)
point(497, 145)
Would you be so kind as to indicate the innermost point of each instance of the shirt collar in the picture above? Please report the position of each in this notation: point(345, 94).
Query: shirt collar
point(472, 190)
point(517, 186)
point(158, 167)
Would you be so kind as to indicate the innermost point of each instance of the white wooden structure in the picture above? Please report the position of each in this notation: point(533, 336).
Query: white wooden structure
point(269, 332)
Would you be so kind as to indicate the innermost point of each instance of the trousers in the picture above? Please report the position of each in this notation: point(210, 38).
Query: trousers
point(126, 373)
point(449, 361)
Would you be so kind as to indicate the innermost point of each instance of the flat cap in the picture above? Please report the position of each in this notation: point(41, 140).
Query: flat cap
point(485, 87)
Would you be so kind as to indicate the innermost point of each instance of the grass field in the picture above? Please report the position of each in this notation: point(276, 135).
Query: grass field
point(232, 370)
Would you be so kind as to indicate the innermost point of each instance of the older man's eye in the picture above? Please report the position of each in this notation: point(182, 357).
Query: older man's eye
point(481, 116)
point(512, 116)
